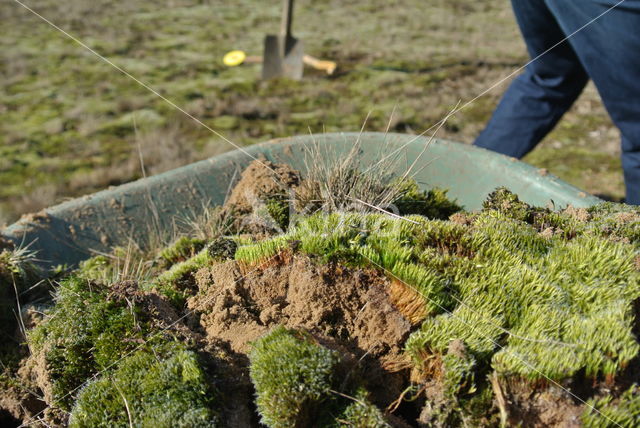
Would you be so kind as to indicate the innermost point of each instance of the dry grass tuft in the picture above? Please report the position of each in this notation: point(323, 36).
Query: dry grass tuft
point(338, 183)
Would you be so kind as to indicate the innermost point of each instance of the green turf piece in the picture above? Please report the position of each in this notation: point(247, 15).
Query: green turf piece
point(292, 376)
point(523, 301)
point(183, 248)
point(360, 413)
point(607, 412)
point(160, 387)
point(433, 203)
point(84, 332)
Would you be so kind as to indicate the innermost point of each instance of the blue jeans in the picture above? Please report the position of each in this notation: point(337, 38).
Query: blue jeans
point(607, 51)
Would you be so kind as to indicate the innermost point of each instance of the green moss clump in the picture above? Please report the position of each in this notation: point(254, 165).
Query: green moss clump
point(360, 413)
point(507, 203)
point(432, 203)
point(177, 282)
point(96, 268)
point(181, 250)
point(539, 308)
point(606, 412)
point(278, 210)
point(162, 387)
point(368, 239)
point(297, 384)
point(617, 221)
point(292, 376)
point(86, 331)
point(251, 253)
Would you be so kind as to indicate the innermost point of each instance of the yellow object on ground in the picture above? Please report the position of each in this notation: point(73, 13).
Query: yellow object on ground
point(233, 58)
point(237, 57)
point(319, 64)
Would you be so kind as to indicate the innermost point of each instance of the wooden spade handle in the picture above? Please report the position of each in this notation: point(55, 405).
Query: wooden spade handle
point(287, 19)
point(320, 64)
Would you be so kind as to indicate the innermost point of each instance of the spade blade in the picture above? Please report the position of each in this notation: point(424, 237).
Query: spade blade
point(283, 57)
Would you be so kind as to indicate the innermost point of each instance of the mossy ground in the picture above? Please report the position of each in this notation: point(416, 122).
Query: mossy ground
point(71, 124)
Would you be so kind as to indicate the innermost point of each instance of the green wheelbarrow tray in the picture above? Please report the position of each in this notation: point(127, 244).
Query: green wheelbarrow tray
point(78, 229)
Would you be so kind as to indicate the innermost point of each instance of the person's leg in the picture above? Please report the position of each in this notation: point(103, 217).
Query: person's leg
point(631, 168)
point(538, 98)
point(609, 48)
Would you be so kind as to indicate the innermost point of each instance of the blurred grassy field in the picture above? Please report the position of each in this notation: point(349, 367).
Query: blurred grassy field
point(71, 124)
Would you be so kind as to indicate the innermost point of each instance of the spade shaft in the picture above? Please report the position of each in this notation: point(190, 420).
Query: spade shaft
point(285, 25)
